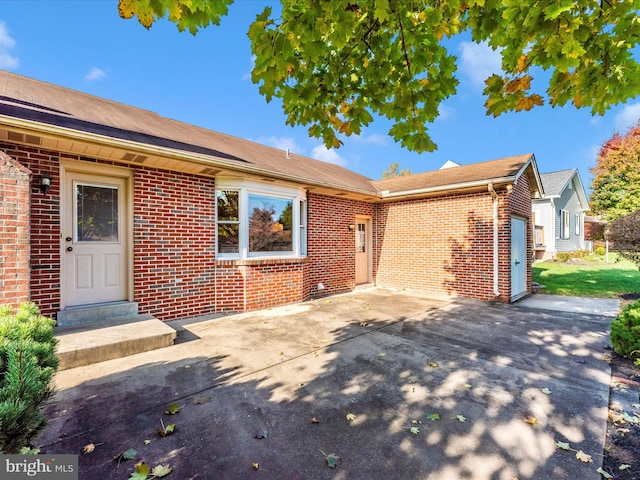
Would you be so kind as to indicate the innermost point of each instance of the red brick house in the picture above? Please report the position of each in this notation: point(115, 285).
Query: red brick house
point(104, 203)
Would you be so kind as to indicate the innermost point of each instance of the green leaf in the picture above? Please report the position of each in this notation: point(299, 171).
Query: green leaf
point(160, 471)
point(141, 472)
point(415, 430)
point(351, 416)
point(332, 460)
point(461, 418)
point(604, 473)
point(172, 409)
point(546, 391)
point(563, 445)
point(433, 416)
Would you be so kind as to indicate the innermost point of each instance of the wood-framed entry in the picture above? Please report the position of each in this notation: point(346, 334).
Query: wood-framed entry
point(96, 236)
point(363, 243)
point(518, 258)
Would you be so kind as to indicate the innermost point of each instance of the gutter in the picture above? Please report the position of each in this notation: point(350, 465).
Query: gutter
point(386, 194)
point(496, 290)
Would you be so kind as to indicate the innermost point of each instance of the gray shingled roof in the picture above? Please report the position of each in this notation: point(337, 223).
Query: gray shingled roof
point(42, 102)
point(463, 174)
point(555, 182)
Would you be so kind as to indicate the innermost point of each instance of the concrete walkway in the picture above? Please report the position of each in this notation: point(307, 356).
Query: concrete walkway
point(397, 385)
point(605, 307)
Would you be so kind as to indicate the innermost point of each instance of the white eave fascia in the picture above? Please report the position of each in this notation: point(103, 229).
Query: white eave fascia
point(69, 133)
point(385, 194)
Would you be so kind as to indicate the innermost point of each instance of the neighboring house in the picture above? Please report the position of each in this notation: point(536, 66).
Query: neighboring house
point(559, 214)
point(107, 204)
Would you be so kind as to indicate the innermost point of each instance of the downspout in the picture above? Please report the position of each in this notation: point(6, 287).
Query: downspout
point(496, 291)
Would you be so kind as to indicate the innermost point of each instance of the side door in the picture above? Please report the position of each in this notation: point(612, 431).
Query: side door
point(94, 239)
point(518, 258)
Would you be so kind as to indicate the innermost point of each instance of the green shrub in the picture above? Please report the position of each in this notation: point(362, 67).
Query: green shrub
point(600, 251)
point(625, 332)
point(563, 257)
point(580, 254)
point(27, 365)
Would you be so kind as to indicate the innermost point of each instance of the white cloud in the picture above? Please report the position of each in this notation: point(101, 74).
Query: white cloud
point(282, 143)
point(445, 113)
point(247, 76)
point(95, 74)
point(7, 61)
point(627, 118)
point(329, 156)
point(479, 61)
point(373, 139)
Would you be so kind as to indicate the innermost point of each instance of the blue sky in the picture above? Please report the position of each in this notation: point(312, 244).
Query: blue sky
point(205, 81)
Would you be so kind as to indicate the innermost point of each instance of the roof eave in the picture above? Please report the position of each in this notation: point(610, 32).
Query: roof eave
point(211, 161)
point(418, 192)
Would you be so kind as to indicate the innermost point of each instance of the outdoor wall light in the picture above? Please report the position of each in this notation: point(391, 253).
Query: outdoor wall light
point(45, 182)
point(352, 227)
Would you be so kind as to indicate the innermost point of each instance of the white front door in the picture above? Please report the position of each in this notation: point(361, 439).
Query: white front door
point(94, 239)
point(518, 258)
point(362, 251)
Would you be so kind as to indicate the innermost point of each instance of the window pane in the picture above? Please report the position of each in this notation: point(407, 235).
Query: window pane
point(96, 213)
point(228, 238)
point(270, 224)
point(227, 205)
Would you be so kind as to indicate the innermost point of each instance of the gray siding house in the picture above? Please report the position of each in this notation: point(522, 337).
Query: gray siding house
point(559, 214)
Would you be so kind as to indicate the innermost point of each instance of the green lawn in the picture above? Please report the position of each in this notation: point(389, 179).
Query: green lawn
point(598, 279)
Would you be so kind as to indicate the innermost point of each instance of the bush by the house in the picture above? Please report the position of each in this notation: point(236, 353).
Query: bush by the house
point(27, 365)
point(625, 332)
point(600, 251)
point(562, 257)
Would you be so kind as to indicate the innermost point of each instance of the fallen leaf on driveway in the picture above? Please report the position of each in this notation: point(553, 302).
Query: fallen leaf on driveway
point(351, 416)
point(461, 418)
point(546, 391)
point(415, 430)
point(563, 445)
point(433, 364)
point(88, 448)
point(583, 457)
point(604, 473)
point(433, 416)
point(624, 466)
point(531, 420)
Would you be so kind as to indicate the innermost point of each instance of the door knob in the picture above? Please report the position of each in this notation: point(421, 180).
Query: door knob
point(69, 249)
point(517, 262)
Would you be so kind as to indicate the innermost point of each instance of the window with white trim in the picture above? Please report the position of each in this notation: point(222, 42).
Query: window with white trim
point(577, 219)
point(256, 220)
point(565, 219)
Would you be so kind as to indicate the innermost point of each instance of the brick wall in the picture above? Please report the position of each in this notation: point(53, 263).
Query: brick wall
point(443, 245)
point(174, 243)
point(15, 187)
point(331, 245)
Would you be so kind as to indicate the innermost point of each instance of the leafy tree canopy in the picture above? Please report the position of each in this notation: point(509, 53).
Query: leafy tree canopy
point(616, 183)
point(393, 171)
point(337, 63)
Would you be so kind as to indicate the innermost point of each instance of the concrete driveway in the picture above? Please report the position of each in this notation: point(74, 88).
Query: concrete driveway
point(350, 376)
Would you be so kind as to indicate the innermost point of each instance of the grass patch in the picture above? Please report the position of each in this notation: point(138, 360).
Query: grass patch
point(596, 279)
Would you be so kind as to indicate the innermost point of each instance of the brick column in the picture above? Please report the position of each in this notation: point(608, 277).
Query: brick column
point(15, 186)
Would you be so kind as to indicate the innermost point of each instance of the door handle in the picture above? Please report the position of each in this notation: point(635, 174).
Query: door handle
point(516, 262)
point(68, 239)
point(69, 249)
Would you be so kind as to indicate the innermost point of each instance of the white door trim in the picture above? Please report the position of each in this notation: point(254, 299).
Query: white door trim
point(518, 265)
point(366, 220)
point(68, 167)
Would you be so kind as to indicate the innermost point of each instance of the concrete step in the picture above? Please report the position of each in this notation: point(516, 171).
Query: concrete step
point(84, 314)
point(114, 338)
